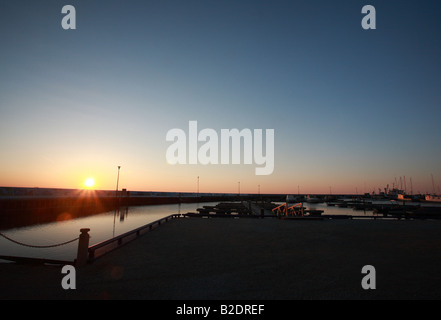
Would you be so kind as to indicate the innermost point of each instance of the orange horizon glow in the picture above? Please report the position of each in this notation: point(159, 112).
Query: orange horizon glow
point(220, 187)
point(160, 177)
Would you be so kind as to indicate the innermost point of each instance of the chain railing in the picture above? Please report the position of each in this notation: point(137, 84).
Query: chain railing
point(85, 253)
point(35, 246)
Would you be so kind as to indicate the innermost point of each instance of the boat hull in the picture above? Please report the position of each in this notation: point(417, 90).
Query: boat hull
point(436, 199)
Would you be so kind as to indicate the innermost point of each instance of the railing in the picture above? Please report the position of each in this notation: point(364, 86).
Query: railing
point(30, 260)
point(85, 253)
point(107, 246)
point(34, 261)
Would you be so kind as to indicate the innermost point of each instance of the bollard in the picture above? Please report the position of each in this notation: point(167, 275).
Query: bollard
point(83, 248)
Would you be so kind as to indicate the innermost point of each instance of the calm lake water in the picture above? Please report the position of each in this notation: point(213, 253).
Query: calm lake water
point(104, 226)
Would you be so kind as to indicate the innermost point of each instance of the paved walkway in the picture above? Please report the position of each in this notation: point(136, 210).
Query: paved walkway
point(252, 259)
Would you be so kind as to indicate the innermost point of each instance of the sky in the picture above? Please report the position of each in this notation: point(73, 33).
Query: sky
point(352, 110)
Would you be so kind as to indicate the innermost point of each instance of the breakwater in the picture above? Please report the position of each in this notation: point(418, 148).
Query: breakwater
point(37, 204)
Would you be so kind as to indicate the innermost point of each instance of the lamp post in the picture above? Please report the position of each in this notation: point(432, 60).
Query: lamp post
point(198, 191)
point(117, 182)
point(116, 202)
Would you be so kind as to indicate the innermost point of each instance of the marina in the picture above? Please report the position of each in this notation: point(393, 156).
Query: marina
point(59, 224)
point(220, 150)
point(180, 249)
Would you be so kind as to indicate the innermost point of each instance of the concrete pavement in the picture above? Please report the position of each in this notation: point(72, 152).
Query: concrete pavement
point(252, 259)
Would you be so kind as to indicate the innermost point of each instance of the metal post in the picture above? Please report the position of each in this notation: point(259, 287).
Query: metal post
point(117, 182)
point(83, 248)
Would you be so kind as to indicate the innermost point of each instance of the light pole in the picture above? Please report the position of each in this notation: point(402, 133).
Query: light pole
point(117, 182)
point(116, 202)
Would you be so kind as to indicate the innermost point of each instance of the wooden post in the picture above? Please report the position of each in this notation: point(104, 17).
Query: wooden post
point(83, 248)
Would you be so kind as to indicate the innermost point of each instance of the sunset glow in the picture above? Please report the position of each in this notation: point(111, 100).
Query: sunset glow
point(347, 114)
point(89, 183)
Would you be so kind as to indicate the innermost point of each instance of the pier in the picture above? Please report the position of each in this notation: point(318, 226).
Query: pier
point(251, 259)
point(246, 248)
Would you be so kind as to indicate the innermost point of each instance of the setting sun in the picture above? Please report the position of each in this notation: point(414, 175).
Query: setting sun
point(89, 183)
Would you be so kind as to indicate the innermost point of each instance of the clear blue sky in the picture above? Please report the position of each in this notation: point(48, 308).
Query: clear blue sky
point(351, 108)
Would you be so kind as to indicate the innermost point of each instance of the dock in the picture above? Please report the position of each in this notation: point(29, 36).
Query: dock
point(243, 250)
point(256, 209)
point(251, 259)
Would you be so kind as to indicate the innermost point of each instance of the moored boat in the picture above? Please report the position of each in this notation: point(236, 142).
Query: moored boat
point(310, 199)
point(402, 197)
point(432, 198)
